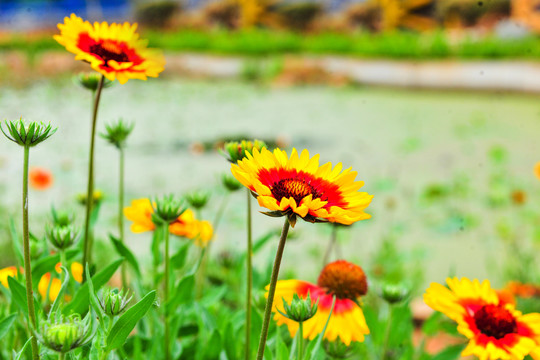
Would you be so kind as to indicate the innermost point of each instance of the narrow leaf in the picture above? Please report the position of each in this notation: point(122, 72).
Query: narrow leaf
point(6, 323)
point(126, 253)
point(65, 284)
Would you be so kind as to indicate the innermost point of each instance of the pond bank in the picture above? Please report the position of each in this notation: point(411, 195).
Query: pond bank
point(507, 75)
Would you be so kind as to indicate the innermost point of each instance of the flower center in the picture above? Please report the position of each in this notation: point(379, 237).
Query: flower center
point(495, 321)
point(109, 50)
point(344, 279)
point(295, 188)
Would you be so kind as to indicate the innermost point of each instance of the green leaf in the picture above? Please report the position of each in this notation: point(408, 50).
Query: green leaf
point(126, 323)
point(25, 350)
point(81, 301)
point(126, 253)
point(184, 292)
point(213, 347)
point(5, 324)
point(94, 303)
point(179, 259)
point(47, 264)
point(18, 295)
point(65, 284)
point(230, 342)
point(16, 241)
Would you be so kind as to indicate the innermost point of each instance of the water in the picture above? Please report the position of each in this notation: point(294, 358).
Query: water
point(399, 141)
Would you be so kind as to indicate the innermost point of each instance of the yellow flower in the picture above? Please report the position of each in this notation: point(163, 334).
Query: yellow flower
point(343, 279)
point(7, 272)
point(495, 329)
point(53, 285)
point(114, 50)
point(298, 186)
point(141, 210)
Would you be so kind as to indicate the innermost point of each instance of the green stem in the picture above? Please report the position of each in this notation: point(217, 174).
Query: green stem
point(387, 333)
point(300, 340)
point(220, 212)
point(26, 246)
point(61, 356)
point(165, 230)
point(272, 289)
point(249, 282)
point(121, 212)
point(321, 335)
point(87, 251)
point(331, 244)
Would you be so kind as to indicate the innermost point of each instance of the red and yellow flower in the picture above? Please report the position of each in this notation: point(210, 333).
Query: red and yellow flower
point(52, 285)
point(299, 186)
point(114, 50)
point(495, 329)
point(343, 279)
point(141, 210)
point(5, 273)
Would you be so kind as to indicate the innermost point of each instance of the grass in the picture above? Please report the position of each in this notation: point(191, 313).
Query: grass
point(261, 42)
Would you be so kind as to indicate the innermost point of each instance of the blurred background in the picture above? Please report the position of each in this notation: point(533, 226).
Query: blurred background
point(433, 102)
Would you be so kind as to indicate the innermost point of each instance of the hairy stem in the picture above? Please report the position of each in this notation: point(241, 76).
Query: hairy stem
point(87, 251)
point(26, 246)
point(121, 211)
point(166, 291)
point(249, 282)
point(272, 289)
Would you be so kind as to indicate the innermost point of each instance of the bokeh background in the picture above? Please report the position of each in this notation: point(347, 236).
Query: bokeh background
point(435, 103)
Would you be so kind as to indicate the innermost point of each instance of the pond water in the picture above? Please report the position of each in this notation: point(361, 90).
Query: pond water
point(400, 142)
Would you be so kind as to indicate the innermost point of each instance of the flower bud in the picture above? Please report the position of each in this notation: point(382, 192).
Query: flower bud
point(235, 151)
point(117, 133)
point(62, 218)
point(114, 302)
point(394, 293)
point(338, 350)
point(63, 334)
point(167, 210)
point(198, 199)
point(97, 197)
point(230, 182)
point(90, 81)
point(63, 237)
point(27, 135)
point(300, 309)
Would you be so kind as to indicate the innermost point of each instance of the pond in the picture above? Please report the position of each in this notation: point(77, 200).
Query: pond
point(442, 165)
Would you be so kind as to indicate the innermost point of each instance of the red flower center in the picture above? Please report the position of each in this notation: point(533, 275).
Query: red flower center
point(495, 321)
point(295, 188)
point(344, 279)
point(108, 50)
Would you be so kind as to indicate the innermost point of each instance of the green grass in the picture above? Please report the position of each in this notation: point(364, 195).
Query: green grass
point(260, 42)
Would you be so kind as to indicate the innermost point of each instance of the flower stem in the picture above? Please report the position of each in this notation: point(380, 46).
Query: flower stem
point(300, 340)
point(61, 356)
point(121, 211)
point(249, 282)
point(331, 244)
point(165, 230)
point(272, 289)
point(26, 246)
point(387, 333)
point(87, 251)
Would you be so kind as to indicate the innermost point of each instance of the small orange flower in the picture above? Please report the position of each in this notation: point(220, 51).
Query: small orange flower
point(52, 286)
point(40, 178)
point(537, 170)
point(141, 210)
point(113, 50)
point(10, 271)
point(343, 279)
point(523, 290)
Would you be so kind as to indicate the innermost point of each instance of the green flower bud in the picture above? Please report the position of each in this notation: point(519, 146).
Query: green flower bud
point(117, 133)
point(63, 334)
point(114, 301)
point(394, 293)
point(90, 81)
point(36, 248)
point(61, 218)
point(198, 199)
point(235, 151)
point(27, 135)
point(167, 210)
point(230, 182)
point(300, 309)
point(337, 350)
point(63, 237)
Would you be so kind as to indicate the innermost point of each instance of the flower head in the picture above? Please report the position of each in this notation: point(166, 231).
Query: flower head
point(114, 301)
point(117, 133)
point(113, 50)
point(230, 183)
point(27, 135)
point(186, 225)
point(63, 334)
point(299, 309)
point(347, 321)
point(63, 237)
point(297, 186)
point(198, 199)
point(235, 150)
point(495, 329)
point(40, 178)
